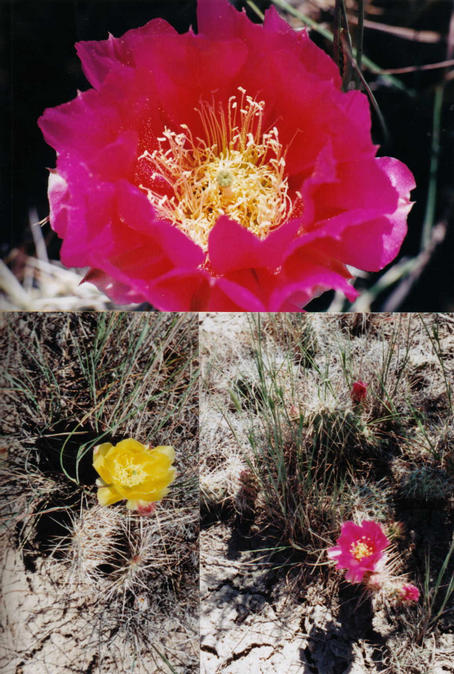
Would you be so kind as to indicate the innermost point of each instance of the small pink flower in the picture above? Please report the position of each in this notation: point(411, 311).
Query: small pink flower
point(358, 392)
point(191, 177)
point(359, 549)
point(409, 592)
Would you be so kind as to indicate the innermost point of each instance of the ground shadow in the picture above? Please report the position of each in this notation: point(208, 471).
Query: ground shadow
point(330, 648)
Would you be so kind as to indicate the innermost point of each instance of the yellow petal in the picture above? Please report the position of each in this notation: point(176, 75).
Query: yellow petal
point(130, 445)
point(154, 493)
point(108, 495)
point(165, 450)
point(151, 486)
point(159, 478)
point(99, 461)
point(158, 494)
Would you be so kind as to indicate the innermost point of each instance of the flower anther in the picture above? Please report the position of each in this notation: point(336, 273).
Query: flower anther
point(236, 168)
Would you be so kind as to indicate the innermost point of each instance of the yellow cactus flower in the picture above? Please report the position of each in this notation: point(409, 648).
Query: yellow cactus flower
point(135, 472)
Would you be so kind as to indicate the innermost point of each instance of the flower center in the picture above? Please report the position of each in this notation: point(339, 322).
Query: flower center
point(361, 548)
point(129, 474)
point(237, 169)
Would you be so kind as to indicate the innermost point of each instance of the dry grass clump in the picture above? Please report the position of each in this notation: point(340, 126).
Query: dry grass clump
point(309, 457)
point(40, 284)
point(71, 382)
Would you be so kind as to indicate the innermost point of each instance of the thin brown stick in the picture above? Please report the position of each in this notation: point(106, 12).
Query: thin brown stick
point(396, 298)
point(427, 36)
point(412, 69)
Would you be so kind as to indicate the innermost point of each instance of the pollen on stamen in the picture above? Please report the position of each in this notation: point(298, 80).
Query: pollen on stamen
point(129, 475)
point(237, 168)
point(361, 548)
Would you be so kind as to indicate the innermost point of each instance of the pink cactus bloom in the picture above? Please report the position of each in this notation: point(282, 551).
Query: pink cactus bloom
point(358, 392)
point(192, 177)
point(359, 549)
point(409, 592)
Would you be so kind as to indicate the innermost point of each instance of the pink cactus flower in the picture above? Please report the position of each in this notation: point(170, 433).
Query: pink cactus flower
point(359, 549)
point(409, 593)
point(192, 177)
point(358, 392)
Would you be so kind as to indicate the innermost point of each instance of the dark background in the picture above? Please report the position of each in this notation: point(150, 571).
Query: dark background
point(39, 69)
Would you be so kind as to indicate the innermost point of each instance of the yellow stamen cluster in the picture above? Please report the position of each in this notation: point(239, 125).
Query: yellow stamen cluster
point(129, 475)
point(361, 548)
point(236, 169)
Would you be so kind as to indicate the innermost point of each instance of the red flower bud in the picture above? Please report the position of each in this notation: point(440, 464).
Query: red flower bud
point(409, 592)
point(358, 392)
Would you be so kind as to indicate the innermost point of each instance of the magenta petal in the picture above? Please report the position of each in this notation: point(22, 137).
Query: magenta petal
point(294, 295)
point(117, 160)
point(356, 108)
point(323, 173)
point(218, 18)
point(180, 290)
point(83, 125)
point(370, 533)
point(371, 244)
point(370, 238)
point(359, 184)
point(305, 274)
point(350, 530)
point(400, 175)
point(113, 281)
point(196, 63)
point(230, 296)
point(99, 57)
point(232, 247)
point(136, 211)
point(90, 229)
point(306, 51)
point(121, 293)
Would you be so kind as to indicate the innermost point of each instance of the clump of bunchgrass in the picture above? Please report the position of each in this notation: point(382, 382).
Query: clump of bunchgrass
point(22, 487)
point(438, 589)
point(295, 332)
point(246, 393)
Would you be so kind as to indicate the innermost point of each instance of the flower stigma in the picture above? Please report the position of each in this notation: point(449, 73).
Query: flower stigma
point(361, 548)
point(224, 178)
point(237, 169)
